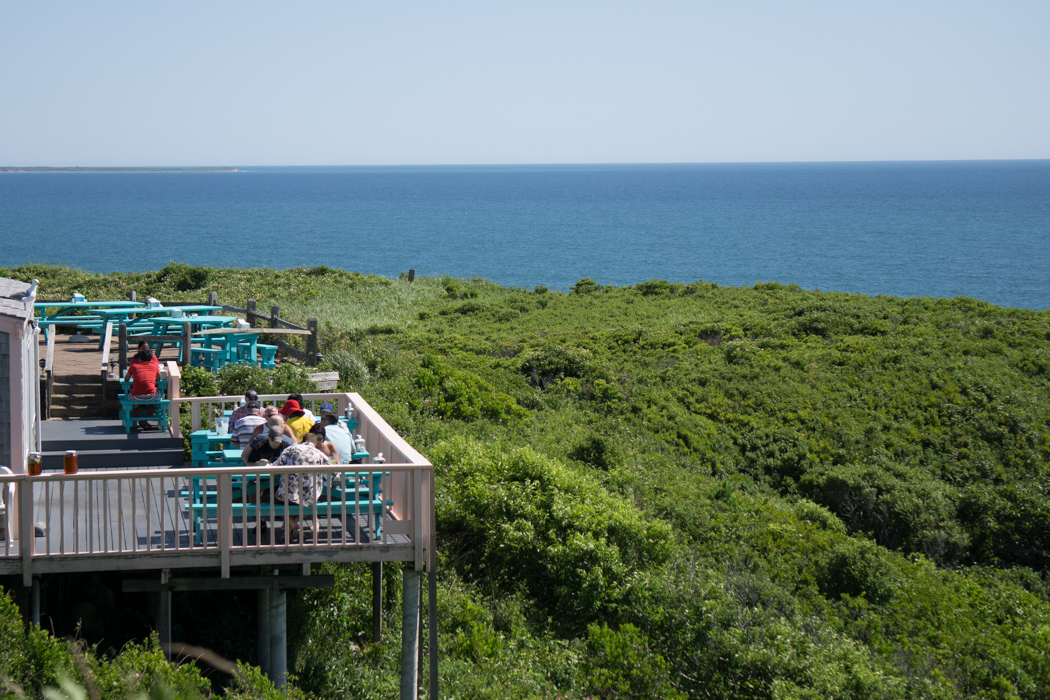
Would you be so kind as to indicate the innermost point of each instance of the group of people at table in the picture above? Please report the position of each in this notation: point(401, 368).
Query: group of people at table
point(287, 436)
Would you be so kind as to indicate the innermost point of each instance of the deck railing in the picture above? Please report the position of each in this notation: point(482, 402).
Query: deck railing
point(208, 517)
point(205, 517)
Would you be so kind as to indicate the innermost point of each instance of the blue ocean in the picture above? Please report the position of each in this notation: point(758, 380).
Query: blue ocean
point(975, 229)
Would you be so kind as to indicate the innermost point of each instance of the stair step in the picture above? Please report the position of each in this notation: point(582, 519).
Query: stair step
point(135, 442)
point(75, 414)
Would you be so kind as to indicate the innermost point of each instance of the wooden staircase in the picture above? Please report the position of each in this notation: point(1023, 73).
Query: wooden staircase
point(76, 396)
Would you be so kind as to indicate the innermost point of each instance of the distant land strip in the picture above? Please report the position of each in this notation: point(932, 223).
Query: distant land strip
point(79, 169)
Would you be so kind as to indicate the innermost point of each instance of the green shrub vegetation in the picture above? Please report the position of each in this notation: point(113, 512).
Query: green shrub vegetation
point(683, 490)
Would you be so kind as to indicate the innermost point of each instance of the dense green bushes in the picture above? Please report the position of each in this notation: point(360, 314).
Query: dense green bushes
point(721, 492)
point(523, 522)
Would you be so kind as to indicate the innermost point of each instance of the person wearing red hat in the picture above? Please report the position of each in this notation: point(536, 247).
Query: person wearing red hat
point(295, 418)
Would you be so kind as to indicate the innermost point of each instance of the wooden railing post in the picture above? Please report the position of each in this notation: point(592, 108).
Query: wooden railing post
point(26, 529)
point(225, 522)
point(122, 348)
point(275, 315)
point(311, 342)
point(417, 516)
point(174, 392)
point(187, 339)
point(250, 312)
point(213, 300)
point(132, 296)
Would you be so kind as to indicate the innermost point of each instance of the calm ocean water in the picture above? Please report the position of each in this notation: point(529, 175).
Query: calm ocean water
point(977, 229)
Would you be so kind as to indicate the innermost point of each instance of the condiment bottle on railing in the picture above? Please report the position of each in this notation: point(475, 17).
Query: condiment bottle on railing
point(70, 462)
point(33, 464)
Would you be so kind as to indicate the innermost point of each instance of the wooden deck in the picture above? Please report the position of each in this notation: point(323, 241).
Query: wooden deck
point(85, 358)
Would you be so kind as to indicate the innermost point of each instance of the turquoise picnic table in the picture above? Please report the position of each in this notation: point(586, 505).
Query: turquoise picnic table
point(344, 495)
point(163, 325)
point(126, 315)
point(66, 316)
point(138, 319)
point(222, 346)
point(207, 446)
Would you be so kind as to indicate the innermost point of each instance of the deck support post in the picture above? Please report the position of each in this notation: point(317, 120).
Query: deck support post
point(164, 613)
point(432, 594)
point(278, 638)
point(263, 634)
point(377, 602)
point(410, 634)
point(34, 601)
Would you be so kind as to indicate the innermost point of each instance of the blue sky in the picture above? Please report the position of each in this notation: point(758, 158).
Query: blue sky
point(348, 83)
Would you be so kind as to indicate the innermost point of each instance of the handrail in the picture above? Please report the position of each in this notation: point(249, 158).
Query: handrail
point(339, 400)
point(174, 391)
point(49, 358)
point(49, 377)
point(106, 342)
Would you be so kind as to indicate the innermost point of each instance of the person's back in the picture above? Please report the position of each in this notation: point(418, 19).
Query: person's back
point(296, 419)
point(143, 370)
point(242, 434)
point(340, 437)
point(342, 441)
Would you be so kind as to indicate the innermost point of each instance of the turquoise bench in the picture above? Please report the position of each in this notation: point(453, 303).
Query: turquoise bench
point(160, 416)
point(126, 404)
point(362, 497)
point(208, 446)
point(267, 355)
point(208, 358)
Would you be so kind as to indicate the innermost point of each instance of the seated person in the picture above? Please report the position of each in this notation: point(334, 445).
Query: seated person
point(266, 448)
point(143, 370)
point(298, 398)
point(338, 435)
point(242, 434)
point(269, 414)
point(317, 438)
point(296, 418)
point(241, 411)
point(303, 488)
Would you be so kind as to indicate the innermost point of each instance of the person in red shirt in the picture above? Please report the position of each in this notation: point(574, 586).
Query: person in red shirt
point(143, 370)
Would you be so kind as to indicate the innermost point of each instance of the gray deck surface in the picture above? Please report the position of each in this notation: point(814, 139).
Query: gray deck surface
point(94, 430)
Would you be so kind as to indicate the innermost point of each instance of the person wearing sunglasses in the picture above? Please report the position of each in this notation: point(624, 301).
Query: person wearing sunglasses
point(317, 437)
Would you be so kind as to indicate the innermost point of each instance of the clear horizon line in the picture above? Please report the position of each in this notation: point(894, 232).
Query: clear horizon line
point(522, 164)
